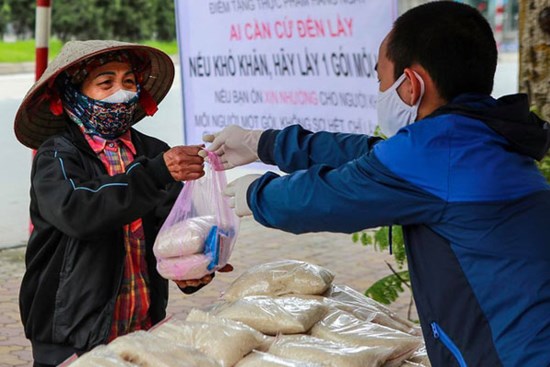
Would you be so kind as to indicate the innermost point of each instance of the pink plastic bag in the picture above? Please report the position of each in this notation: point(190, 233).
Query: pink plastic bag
point(208, 247)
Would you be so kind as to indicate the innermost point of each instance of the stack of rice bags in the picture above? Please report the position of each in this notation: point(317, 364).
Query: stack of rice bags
point(285, 313)
point(313, 321)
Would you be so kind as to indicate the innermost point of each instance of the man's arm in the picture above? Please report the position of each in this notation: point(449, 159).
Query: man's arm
point(292, 148)
point(295, 148)
point(360, 194)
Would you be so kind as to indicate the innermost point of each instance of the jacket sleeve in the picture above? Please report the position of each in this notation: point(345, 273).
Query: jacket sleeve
point(360, 194)
point(295, 148)
point(83, 206)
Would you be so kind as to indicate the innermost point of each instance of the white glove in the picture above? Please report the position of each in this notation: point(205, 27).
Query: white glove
point(235, 146)
point(236, 192)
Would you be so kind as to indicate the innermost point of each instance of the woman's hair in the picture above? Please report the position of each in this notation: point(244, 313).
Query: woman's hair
point(452, 41)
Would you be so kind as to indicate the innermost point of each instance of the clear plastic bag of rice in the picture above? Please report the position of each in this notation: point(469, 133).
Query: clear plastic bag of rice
point(412, 364)
point(259, 359)
point(364, 308)
point(272, 316)
point(340, 326)
point(183, 238)
point(148, 350)
point(197, 315)
point(329, 354)
point(101, 356)
point(226, 341)
point(280, 278)
point(420, 356)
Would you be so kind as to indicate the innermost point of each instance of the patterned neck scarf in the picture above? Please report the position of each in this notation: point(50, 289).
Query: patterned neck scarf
point(108, 120)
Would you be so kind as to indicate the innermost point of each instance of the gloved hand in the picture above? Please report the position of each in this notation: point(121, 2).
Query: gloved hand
point(235, 146)
point(236, 192)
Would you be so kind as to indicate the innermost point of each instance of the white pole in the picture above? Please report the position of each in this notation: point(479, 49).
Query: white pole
point(42, 35)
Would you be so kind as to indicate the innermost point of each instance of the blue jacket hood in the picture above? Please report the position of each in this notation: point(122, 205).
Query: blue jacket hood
point(509, 116)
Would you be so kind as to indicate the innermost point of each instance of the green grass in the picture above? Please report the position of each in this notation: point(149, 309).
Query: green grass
point(24, 51)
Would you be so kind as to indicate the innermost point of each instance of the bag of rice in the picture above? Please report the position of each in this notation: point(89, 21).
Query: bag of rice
point(101, 356)
point(420, 356)
point(271, 316)
point(280, 278)
point(197, 315)
point(148, 350)
point(183, 238)
point(411, 364)
point(364, 308)
point(226, 341)
point(184, 268)
point(340, 326)
point(328, 353)
point(258, 359)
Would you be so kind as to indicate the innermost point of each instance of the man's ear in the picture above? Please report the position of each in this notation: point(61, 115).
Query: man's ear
point(416, 86)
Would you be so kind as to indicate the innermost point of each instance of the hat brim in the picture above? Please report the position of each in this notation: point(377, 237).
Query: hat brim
point(34, 122)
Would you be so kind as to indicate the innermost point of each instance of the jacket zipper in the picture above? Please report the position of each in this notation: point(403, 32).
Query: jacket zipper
point(447, 342)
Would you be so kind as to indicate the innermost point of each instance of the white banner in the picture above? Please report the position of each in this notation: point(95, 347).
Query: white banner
point(267, 64)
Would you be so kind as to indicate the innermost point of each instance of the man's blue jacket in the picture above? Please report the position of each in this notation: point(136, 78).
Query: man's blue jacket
point(474, 207)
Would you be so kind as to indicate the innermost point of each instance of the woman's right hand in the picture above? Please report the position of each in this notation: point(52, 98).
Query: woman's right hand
point(184, 162)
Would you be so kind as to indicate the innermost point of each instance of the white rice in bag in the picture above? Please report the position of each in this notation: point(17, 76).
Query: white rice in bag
point(280, 278)
point(197, 315)
point(366, 309)
point(259, 359)
point(328, 353)
point(183, 238)
point(420, 356)
point(271, 316)
point(226, 341)
point(100, 356)
point(340, 326)
point(411, 364)
point(184, 267)
point(148, 350)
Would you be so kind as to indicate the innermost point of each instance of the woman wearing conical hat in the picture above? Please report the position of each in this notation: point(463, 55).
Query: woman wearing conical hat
point(100, 191)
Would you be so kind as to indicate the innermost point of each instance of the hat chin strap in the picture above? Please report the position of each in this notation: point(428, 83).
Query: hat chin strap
point(147, 102)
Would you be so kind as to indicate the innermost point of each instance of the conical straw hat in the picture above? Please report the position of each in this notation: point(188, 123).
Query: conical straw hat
point(34, 122)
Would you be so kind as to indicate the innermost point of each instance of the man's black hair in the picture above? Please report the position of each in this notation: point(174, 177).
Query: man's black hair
point(452, 41)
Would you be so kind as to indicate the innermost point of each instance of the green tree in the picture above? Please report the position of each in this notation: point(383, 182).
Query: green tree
point(123, 20)
point(22, 16)
point(165, 22)
point(5, 15)
point(77, 19)
point(129, 20)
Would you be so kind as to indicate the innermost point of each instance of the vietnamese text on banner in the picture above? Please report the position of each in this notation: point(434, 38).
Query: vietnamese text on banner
point(267, 64)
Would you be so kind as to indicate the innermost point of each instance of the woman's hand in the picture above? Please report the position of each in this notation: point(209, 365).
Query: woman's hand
point(204, 280)
point(184, 162)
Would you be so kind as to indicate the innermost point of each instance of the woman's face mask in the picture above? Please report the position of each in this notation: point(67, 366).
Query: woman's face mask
point(107, 100)
point(101, 117)
point(120, 96)
point(393, 113)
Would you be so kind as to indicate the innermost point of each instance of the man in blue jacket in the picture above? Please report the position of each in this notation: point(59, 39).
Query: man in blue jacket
point(457, 172)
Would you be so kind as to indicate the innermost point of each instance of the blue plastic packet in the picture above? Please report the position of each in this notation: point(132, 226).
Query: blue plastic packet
point(217, 244)
point(212, 247)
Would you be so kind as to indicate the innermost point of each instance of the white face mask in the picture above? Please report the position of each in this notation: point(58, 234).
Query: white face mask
point(120, 96)
point(393, 113)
